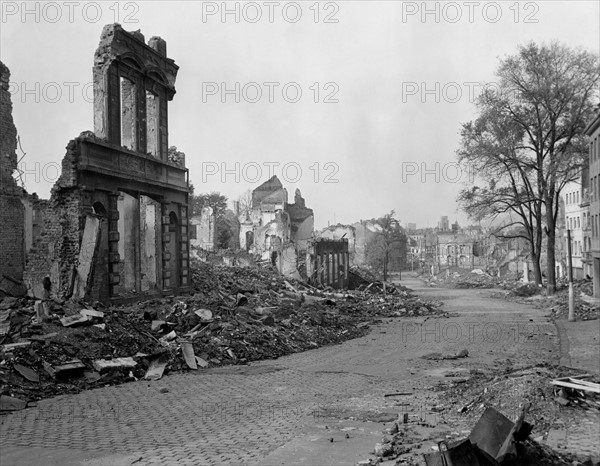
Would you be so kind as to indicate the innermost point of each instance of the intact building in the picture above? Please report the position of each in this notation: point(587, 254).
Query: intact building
point(593, 132)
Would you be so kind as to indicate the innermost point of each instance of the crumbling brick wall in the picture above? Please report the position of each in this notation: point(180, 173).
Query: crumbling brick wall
point(11, 210)
point(56, 248)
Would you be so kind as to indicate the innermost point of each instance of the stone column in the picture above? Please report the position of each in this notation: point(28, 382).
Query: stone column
point(114, 271)
point(166, 255)
point(185, 250)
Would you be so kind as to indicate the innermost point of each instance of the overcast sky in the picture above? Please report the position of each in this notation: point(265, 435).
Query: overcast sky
point(384, 88)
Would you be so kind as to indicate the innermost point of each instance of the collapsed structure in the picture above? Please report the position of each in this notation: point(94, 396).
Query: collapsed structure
point(12, 255)
point(116, 225)
point(276, 230)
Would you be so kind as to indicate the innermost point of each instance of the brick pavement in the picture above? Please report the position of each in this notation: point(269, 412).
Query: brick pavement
point(241, 414)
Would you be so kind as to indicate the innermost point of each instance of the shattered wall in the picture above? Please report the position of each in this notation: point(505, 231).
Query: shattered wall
point(119, 179)
point(202, 230)
point(277, 231)
point(338, 232)
point(328, 262)
point(302, 222)
point(364, 233)
point(12, 255)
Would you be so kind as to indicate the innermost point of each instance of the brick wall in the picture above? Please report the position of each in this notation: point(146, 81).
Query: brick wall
point(12, 212)
point(56, 248)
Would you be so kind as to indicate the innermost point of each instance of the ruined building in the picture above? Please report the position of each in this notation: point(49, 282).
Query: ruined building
point(12, 255)
point(117, 221)
point(276, 230)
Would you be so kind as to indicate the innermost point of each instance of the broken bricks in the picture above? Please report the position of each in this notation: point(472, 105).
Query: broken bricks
point(103, 365)
point(188, 353)
point(157, 367)
point(26, 372)
point(70, 369)
point(491, 442)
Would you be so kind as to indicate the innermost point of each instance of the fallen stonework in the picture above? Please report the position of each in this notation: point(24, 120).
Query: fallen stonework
point(116, 226)
point(236, 315)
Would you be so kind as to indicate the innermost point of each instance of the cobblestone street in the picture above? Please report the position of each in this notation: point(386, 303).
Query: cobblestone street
point(265, 412)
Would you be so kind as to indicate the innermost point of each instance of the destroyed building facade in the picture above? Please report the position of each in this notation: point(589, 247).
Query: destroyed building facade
point(12, 253)
point(116, 226)
point(276, 230)
point(328, 262)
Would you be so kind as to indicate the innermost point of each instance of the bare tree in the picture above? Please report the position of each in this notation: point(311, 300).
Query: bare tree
point(245, 202)
point(530, 135)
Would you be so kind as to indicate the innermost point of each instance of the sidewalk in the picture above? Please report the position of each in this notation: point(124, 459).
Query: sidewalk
point(580, 344)
point(579, 349)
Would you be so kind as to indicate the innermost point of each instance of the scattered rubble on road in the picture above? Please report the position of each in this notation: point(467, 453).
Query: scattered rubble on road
point(466, 409)
point(527, 293)
point(466, 278)
point(557, 304)
point(236, 315)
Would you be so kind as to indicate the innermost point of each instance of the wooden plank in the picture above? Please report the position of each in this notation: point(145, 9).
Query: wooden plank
point(577, 386)
point(585, 382)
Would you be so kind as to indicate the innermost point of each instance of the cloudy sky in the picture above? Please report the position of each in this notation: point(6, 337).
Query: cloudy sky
point(358, 104)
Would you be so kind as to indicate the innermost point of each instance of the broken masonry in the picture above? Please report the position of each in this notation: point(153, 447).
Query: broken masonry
point(116, 225)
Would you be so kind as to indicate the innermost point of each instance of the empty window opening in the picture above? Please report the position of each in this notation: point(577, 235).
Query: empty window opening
point(128, 120)
point(152, 124)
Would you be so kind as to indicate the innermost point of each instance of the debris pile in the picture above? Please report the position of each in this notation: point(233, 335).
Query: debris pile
point(476, 278)
point(235, 316)
point(577, 391)
point(493, 441)
point(558, 304)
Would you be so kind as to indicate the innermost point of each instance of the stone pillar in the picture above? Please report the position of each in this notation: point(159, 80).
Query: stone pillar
point(166, 239)
point(114, 272)
point(319, 262)
point(596, 275)
point(185, 250)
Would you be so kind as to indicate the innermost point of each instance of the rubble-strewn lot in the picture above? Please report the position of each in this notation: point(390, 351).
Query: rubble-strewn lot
point(476, 278)
point(527, 293)
point(235, 316)
point(508, 391)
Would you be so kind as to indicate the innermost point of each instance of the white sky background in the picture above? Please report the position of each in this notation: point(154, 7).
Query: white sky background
point(372, 54)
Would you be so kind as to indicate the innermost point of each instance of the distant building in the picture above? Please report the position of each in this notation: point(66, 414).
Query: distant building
point(576, 213)
point(593, 131)
point(444, 224)
point(410, 227)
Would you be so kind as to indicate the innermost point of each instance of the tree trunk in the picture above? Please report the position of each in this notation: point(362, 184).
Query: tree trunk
point(385, 265)
point(537, 269)
point(551, 260)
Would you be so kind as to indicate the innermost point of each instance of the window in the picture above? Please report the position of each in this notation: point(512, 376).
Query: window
point(128, 113)
point(578, 222)
point(151, 123)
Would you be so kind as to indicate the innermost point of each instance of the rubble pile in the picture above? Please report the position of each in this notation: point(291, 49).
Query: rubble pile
point(235, 316)
point(493, 441)
point(508, 389)
point(476, 278)
point(557, 304)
